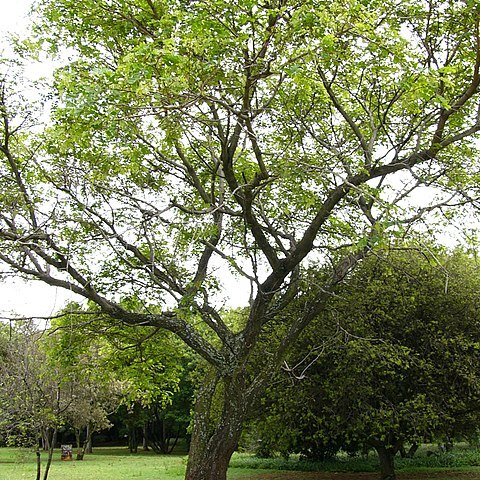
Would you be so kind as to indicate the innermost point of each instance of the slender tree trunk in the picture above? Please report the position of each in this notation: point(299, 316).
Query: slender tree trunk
point(387, 462)
point(39, 462)
point(132, 438)
point(79, 444)
point(44, 440)
point(87, 444)
point(175, 441)
point(145, 438)
point(88, 439)
point(52, 440)
point(215, 439)
point(165, 439)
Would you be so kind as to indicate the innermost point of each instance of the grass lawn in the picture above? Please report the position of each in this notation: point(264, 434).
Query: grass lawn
point(119, 464)
point(105, 464)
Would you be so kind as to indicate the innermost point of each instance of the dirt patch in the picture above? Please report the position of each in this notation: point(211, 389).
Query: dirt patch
point(362, 476)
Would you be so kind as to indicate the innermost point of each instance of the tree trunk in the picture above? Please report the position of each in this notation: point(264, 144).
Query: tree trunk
point(88, 439)
point(79, 444)
point(132, 438)
point(145, 438)
point(51, 440)
point(175, 441)
point(412, 450)
point(387, 462)
point(44, 440)
point(39, 462)
point(87, 444)
point(215, 439)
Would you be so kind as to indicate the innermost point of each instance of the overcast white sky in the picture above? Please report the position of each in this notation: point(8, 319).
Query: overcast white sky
point(13, 14)
point(18, 297)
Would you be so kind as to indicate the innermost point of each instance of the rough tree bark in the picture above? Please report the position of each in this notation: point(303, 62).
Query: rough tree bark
point(387, 463)
point(215, 439)
point(386, 456)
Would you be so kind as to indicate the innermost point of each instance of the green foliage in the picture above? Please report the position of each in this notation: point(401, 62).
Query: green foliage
point(188, 138)
point(132, 62)
point(32, 402)
point(77, 374)
point(146, 363)
point(401, 366)
point(144, 370)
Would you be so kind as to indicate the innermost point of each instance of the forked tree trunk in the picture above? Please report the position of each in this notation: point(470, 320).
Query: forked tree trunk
point(411, 451)
point(387, 462)
point(215, 439)
point(87, 444)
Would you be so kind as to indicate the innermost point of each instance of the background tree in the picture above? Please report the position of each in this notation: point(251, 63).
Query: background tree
point(158, 372)
point(401, 368)
point(112, 365)
point(95, 390)
point(166, 424)
point(33, 400)
point(190, 136)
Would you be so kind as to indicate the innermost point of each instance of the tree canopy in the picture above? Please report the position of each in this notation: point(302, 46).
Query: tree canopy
point(394, 360)
point(187, 139)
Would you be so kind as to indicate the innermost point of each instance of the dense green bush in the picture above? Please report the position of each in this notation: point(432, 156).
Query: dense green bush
point(429, 457)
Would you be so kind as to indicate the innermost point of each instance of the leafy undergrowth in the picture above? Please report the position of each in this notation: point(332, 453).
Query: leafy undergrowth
point(359, 476)
point(428, 458)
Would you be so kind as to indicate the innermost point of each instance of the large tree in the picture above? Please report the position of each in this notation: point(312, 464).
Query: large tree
point(188, 139)
point(394, 360)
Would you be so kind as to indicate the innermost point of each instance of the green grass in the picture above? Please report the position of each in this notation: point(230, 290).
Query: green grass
point(104, 463)
point(119, 464)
